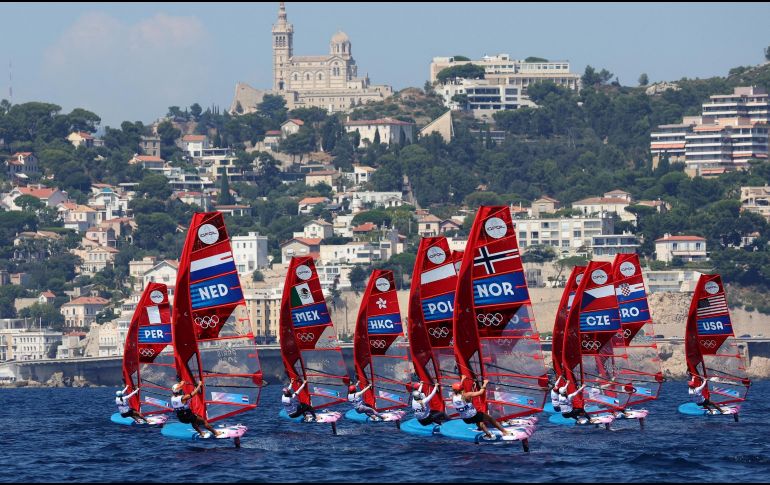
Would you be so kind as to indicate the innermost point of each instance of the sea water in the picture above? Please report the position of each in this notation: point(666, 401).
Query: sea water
point(66, 435)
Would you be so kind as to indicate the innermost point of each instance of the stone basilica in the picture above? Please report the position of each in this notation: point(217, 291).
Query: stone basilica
point(328, 81)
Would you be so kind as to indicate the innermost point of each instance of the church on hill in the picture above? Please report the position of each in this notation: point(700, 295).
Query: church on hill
point(327, 81)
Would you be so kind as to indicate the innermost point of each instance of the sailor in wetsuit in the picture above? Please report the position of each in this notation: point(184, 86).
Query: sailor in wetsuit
point(180, 402)
point(125, 409)
point(468, 412)
point(421, 407)
point(291, 403)
point(696, 394)
point(554, 390)
point(357, 400)
point(566, 406)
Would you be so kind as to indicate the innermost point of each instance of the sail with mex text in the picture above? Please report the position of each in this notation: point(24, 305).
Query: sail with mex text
point(710, 346)
point(431, 306)
point(379, 347)
point(496, 337)
point(148, 356)
point(640, 363)
point(309, 346)
point(593, 343)
point(213, 338)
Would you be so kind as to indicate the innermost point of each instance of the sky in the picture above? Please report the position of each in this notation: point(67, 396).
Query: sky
point(132, 61)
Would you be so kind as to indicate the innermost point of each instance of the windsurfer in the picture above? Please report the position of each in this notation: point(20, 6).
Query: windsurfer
point(180, 402)
point(421, 407)
point(291, 403)
point(468, 412)
point(566, 404)
point(125, 409)
point(357, 400)
point(696, 394)
point(553, 387)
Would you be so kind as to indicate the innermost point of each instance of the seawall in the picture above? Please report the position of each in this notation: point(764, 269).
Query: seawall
point(107, 371)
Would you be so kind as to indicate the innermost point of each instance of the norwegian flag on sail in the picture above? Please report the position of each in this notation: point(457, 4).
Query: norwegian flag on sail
point(713, 305)
point(495, 258)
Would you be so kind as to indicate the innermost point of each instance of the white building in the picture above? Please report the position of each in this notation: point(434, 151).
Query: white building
point(351, 253)
point(194, 145)
point(614, 202)
point(318, 229)
point(673, 281)
point(605, 247)
point(567, 235)
point(360, 175)
point(264, 308)
point(34, 344)
point(163, 272)
point(688, 248)
point(391, 130)
point(504, 85)
point(250, 252)
point(374, 199)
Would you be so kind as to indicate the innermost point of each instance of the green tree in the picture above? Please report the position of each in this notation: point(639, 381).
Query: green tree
point(155, 186)
point(644, 80)
point(225, 197)
point(83, 120)
point(257, 276)
point(358, 277)
point(376, 136)
point(535, 59)
point(29, 203)
point(463, 71)
point(168, 135)
point(273, 108)
point(331, 131)
point(196, 111)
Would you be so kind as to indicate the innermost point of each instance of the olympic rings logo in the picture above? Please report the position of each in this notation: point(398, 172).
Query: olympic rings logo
point(146, 352)
point(709, 344)
point(306, 337)
point(591, 344)
point(505, 341)
point(377, 344)
point(209, 321)
point(489, 319)
point(439, 332)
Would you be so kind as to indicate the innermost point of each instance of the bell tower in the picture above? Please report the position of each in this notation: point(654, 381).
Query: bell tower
point(283, 49)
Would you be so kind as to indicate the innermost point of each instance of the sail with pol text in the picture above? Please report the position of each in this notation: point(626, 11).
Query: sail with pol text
point(640, 362)
point(496, 337)
point(593, 343)
point(309, 346)
point(213, 337)
point(431, 306)
point(148, 356)
point(379, 347)
point(710, 345)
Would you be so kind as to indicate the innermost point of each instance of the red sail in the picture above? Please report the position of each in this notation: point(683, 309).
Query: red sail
point(431, 305)
point(380, 350)
point(710, 344)
point(641, 363)
point(213, 338)
point(494, 327)
point(593, 343)
point(561, 318)
point(309, 346)
point(148, 360)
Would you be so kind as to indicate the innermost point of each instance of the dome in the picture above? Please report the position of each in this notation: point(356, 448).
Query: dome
point(340, 37)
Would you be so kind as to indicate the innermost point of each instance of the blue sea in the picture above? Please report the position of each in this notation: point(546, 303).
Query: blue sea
point(66, 435)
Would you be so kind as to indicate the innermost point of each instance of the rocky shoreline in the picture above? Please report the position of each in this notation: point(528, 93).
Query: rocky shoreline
point(57, 380)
